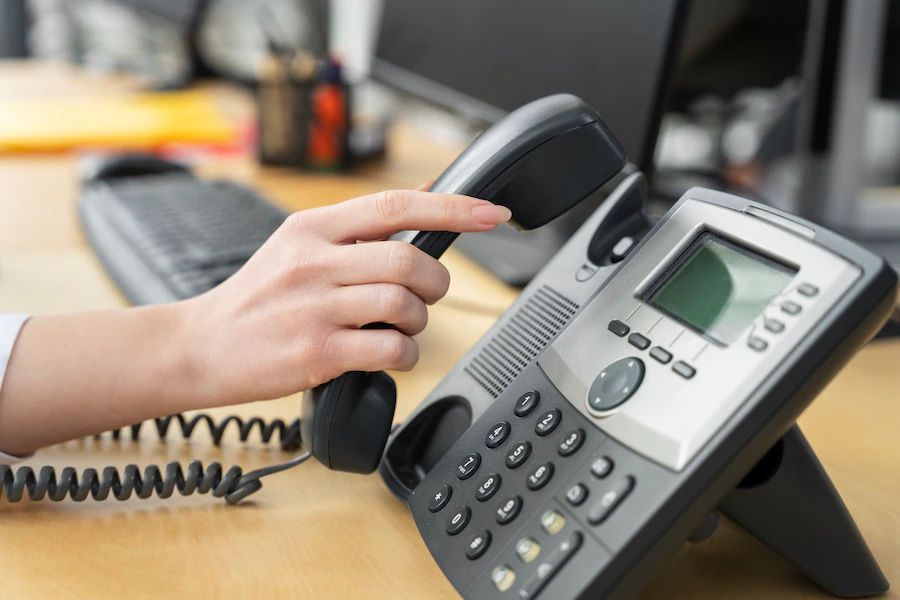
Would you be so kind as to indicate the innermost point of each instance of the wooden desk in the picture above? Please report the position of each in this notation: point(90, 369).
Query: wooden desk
point(311, 533)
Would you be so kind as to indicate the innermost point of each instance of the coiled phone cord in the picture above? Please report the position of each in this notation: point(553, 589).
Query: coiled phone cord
point(234, 485)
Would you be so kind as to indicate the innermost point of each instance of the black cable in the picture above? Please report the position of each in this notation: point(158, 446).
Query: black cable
point(233, 484)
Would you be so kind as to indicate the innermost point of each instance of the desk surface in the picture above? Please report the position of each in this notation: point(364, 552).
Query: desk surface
point(311, 533)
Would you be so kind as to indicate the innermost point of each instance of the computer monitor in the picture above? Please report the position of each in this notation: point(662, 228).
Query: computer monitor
point(483, 59)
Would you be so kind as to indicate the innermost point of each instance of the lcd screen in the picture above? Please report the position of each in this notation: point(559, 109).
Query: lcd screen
point(718, 287)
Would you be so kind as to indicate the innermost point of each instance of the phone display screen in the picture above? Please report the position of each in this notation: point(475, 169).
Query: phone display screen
point(718, 287)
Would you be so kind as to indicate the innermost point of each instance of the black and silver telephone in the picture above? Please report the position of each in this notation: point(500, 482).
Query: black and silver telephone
point(644, 380)
point(539, 161)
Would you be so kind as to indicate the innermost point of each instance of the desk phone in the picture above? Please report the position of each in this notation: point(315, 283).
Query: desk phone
point(636, 387)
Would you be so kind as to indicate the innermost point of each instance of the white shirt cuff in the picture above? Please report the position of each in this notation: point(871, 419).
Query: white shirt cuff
point(10, 326)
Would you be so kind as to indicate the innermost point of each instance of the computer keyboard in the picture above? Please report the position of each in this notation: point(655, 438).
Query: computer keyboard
point(170, 236)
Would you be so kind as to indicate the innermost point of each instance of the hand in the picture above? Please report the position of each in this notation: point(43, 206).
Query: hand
point(290, 319)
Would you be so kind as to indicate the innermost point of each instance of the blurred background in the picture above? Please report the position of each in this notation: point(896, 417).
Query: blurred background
point(792, 102)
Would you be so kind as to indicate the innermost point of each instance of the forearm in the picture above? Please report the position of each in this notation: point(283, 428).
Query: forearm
point(74, 375)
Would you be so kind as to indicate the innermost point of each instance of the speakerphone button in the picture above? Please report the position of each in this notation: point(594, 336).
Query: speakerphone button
point(615, 384)
point(540, 476)
point(619, 328)
point(639, 341)
point(547, 422)
point(440, 498)
point(808, 289)
point(488, 487)
point(571, 442)
point(458, 520)
point(497, 435)
point(610, 499)
point(508, 510)
point(684, 369)
point(791, 308)
point(526, 403)
point(478, 544)
point(518, 454)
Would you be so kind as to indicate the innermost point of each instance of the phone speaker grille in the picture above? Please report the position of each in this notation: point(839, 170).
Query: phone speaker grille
point(517, 344)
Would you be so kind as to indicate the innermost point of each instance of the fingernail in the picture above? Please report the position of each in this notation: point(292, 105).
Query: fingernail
point(491, 214)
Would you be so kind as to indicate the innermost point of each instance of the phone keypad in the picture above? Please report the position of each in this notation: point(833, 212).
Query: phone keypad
point(547, 422)
point(518, 454)
point(488, 487)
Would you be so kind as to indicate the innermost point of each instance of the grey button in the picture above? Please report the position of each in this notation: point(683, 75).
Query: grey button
point(478, 544)
point(497, 435)
point(488, 487)
point(440, 498)
point(684, 369)
point(518, 454)
point(526, 403)
point(773, 325)
point(540, 476)
point(663, 356)
point(757, 344)
point(808, 290)
point(639, 341)
point(585, 272)
point(619, 328)
point(508, 510)
point(458, 520)
point(547, 422)
point(577, 494)
point(602, 466)
point(610, 499)
point(615, 384)
point(571, 442)
point(791, 308)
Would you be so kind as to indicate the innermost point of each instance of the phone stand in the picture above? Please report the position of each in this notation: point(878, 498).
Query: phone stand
point(789, 503)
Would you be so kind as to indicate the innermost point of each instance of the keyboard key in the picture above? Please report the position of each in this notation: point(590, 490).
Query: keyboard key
point(571, 442)
point(440, 498)
point(478, 544)
point(540, 476)
point(458, 520)
point(508, 510)
point(468, 465)
point(518, 454)
point(488, 487)
point(526, 403)
point(497, 435)
point(548, 422)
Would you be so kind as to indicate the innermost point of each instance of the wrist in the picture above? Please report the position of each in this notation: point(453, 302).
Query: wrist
point(191, 376)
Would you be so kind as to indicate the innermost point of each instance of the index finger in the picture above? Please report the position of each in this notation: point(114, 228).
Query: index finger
point(386, 213)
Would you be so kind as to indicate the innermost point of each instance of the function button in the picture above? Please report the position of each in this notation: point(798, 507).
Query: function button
point(610, 499)
point(547, 422)
point(550, 566)
point(638, 341)
point(615, 384)
point(503, 578)
point(458, 520)
point(808, 289)
point(791, 308)
point(660, 354)
point(439, 498)
point(684, 369)
point(601, 467)
point(571, 442)
point(468, 465)
point(619, 328)
point(497, 435)
point(488, 487)
point(526, 403)
point(622, 248)
point(508, 510)
point(585, 272)
point(478, 544)
point(773, 325)
point(540, 476)
point(518, 454)
point(577, 494)
point(527, 549)
point(757, 343)
point(552, 522)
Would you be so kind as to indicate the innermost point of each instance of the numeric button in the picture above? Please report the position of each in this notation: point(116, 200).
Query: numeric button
point(540, 476)
point(478, 544)
point(518, 454)
point(571, 442)
point(488, 487)
point(468, 465)
point(458, 520)
point(526, 403)
point(509, 509)
point(547, 422)
point(497, 435)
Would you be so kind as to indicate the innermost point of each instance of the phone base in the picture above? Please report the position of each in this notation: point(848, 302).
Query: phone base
point(789, 503)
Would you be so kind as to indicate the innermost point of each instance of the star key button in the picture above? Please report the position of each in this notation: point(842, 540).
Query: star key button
point(439, 498)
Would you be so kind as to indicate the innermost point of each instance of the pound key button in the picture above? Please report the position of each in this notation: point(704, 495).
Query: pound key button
point(468, 465)
point(549, 567)
point(458, 520)
point(478, 544)
point(508, 510)
point(526, 403)
point(571, 442)
point(547, 422)
point(488, 487)
point(497, 435)
point(440, 498)
point(609, 500)
point(540, 476)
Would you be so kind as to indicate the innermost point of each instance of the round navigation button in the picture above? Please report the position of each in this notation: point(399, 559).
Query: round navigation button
point(615, 384)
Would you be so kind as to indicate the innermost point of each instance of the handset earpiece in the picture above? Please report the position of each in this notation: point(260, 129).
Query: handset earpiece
point(539, 161)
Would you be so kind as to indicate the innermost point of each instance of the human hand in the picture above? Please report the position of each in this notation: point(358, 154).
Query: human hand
point(291, 318)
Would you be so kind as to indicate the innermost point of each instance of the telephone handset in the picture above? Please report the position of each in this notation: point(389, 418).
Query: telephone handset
point(539, 161)
point(644, 380)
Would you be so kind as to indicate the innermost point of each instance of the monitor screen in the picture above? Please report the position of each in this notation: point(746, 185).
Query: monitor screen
point(484, 58)
point(718, 288)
